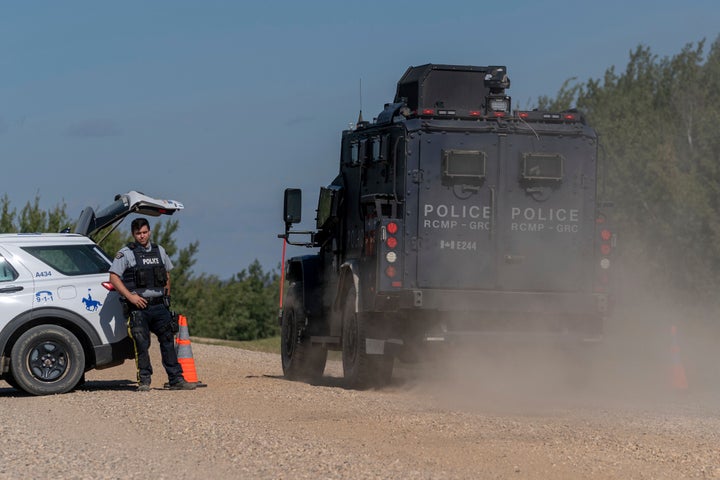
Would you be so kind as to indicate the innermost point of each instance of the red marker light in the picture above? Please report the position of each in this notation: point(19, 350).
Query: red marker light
point(392, 228)
point(523, 115)
point(428, 111)
point(569, 116)
point(475, 113)
point(391, 242)
point(390, 271)
point(605, 249)
point(605, 235)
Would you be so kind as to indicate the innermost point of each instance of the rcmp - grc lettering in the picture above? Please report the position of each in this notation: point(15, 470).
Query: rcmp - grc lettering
point(531, 219)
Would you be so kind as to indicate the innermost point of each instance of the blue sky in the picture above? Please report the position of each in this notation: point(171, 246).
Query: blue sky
point(223, 104)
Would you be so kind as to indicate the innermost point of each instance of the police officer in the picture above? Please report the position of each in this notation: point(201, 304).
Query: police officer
point(140, 273)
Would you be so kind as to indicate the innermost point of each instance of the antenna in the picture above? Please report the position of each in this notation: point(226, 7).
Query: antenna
point(360, 119)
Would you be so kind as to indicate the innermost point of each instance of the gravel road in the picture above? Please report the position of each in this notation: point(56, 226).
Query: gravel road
point(433, 422)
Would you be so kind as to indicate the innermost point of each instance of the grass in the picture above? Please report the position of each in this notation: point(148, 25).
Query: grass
point(269, 345)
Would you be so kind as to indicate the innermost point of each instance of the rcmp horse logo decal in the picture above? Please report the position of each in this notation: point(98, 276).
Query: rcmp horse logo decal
point(90, 304)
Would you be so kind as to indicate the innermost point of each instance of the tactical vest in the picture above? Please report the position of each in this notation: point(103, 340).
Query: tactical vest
point(149, 270)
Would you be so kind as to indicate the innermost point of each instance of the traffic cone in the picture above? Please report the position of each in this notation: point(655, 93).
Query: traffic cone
point(678, 380)
point(184, 352)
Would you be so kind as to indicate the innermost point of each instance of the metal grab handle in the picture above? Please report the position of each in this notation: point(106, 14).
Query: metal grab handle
point(492, 212)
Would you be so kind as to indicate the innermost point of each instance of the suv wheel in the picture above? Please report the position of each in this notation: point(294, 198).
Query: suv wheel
point(46, 360)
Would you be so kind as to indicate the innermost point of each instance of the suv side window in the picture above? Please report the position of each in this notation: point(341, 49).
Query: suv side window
point(71, 259)
point(7, 272)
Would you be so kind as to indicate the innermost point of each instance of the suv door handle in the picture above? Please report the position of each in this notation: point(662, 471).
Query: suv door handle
point(14, 288)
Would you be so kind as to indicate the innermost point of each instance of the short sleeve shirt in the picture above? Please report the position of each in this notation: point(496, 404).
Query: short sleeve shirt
point(125, 259)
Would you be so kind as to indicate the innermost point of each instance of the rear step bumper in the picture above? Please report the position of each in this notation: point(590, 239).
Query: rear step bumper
point(498, 301)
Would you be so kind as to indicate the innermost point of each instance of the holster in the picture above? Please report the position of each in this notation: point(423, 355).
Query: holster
point(175, 322)
point(125, 306)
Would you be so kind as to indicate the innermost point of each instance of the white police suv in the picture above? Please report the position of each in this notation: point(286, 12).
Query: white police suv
point(59, 314)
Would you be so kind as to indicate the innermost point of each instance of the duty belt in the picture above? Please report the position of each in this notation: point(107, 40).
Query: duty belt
point(153, 300)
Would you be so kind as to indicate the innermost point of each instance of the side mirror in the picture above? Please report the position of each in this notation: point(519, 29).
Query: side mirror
point(292, 207)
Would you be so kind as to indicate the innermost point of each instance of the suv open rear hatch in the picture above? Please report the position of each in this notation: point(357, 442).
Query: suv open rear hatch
point(91, 222)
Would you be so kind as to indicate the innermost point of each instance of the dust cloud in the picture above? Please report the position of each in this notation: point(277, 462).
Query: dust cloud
point(639, 363)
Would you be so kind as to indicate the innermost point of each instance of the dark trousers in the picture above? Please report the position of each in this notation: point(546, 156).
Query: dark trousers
point(155, 319)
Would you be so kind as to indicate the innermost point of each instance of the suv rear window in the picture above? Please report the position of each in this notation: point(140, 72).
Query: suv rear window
point(72, 259)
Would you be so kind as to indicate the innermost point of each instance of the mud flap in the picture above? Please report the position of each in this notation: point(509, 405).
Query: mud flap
point(374, 346)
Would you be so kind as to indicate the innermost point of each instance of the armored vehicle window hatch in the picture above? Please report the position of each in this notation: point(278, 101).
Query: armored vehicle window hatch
point(541, 166)
point(463, 164)
point(354, 153)
point(378, 148)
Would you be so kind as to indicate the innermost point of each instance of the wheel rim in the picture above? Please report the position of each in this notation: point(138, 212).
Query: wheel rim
point(48, 361)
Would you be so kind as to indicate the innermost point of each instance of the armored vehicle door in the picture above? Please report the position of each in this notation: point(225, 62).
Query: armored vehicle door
point(457, 182)
point(545, 212)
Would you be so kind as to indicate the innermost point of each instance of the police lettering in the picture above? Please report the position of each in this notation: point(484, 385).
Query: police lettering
point(151, 261)
point(456, 211)
point(546, 214)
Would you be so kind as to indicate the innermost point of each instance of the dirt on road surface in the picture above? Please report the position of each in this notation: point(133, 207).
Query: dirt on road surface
point(459, 418)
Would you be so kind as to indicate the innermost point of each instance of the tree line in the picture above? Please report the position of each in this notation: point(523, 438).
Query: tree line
point(660, 150)
point(243, 307)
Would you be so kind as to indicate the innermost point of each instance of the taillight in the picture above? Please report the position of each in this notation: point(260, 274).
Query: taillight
point(604, 250)
point(389, 258)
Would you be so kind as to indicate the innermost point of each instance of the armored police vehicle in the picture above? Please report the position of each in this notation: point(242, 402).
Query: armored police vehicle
point(451, 216)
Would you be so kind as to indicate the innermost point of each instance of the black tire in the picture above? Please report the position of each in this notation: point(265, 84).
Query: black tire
point(300, 359)
point(360, 369)
point(47, 360)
